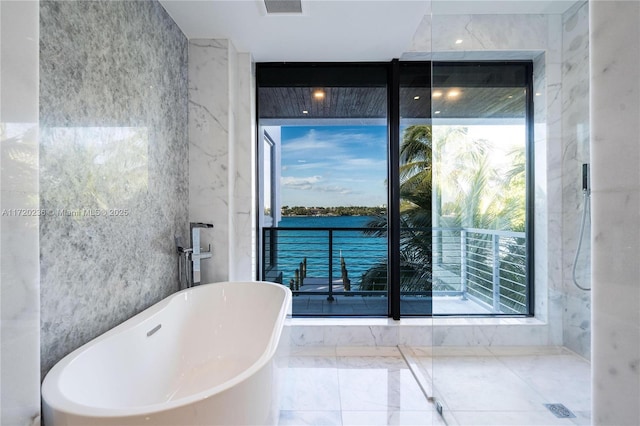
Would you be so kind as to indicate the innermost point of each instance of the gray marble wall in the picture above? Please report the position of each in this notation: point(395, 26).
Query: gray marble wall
point(615, 157)
point(575, 152)
point(20, 306)
point(113, 165)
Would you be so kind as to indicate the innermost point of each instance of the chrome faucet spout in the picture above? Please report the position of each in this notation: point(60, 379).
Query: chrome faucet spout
point(197, 254)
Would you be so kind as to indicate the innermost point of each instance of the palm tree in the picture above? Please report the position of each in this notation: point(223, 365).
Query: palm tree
point(481, 199)
point(487, 200)
point(416, 167)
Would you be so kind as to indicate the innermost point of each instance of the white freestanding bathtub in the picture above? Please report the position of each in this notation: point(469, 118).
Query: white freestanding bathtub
point(203, 356)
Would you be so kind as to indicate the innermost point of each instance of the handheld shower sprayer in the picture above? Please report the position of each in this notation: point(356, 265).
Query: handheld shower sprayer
point(585, 178)
point(586, 193)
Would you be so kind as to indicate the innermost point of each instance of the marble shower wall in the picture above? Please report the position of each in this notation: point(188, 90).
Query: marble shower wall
point(113, 165)
point(575, 152)
point(20, 302)
point(221, 141)
point(615, 155)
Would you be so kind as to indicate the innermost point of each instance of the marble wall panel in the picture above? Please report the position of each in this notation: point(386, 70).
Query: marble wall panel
point(19, 242)
point(222, 143)
point(113, 165)
point(242, 267)
point(209, 181)
point(421, 41)
point(510, 32)
point(468, 33)
point(575, 152)
point(418, 332)
point(542, 234)
point(614, 42)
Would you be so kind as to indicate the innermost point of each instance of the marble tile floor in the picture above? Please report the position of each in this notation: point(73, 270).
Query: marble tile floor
point(331, 385)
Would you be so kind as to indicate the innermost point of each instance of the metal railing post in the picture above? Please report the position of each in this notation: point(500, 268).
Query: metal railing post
point(463, 263)
point(496, 272)
point(330, 297)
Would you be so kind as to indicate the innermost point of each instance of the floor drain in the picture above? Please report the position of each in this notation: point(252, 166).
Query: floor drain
point(560, 411)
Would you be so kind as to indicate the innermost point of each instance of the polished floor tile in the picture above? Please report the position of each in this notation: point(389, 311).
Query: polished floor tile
point(508, 418)
point(475, 385)
point(311, 418)
point(509, 385)
point(399, 418)
point(482, 384)
point(562, 378)
point(310, 383)
point(379, 383)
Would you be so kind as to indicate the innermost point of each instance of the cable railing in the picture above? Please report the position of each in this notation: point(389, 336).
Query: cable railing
point(485, 266)
point(496, 274)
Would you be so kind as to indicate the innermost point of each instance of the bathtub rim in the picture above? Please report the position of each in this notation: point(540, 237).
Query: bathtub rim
point(55, 400)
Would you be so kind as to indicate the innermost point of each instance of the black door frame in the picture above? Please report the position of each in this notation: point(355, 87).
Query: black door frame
point(393, 72)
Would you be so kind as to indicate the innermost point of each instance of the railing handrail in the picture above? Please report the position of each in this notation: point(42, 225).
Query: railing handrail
point(500, 233)
point(463, 244)
point(317, 228)
point(350, 228)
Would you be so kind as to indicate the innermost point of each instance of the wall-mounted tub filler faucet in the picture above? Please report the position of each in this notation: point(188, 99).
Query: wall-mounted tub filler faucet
point(189, 258)
point(198, 254)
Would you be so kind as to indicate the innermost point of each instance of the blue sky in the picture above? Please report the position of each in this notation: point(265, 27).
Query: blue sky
point(334, 166)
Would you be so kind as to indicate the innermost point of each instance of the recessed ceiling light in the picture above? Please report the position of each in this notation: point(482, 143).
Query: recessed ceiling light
point(459, 41)
point(416, 97)
point(437, 94)
point(437, 112)
point(454, 93)
point(538, 93)
point(305, 112)
point(318, 94)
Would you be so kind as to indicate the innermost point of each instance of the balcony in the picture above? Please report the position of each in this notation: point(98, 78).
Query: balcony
point(342, 271)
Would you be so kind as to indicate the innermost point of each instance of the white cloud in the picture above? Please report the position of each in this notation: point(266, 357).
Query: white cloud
point(330, 141)
point(310, 183)
point(333, 167)
point(305, 183)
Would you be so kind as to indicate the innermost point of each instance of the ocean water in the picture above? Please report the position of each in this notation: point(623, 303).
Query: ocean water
point(360, 252)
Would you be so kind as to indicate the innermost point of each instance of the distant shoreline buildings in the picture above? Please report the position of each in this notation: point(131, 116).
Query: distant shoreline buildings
point(333, 211)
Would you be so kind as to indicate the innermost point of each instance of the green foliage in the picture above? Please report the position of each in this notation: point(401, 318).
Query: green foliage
point(333, 211)
point(416, 167)
point(478, 194)
point(483, 196)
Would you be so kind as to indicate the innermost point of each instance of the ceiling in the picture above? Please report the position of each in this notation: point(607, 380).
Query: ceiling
point(286, 104)
point(329, 30)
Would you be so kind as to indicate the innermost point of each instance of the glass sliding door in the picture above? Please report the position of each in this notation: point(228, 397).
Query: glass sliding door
point(326, 238)
point(480, 141)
